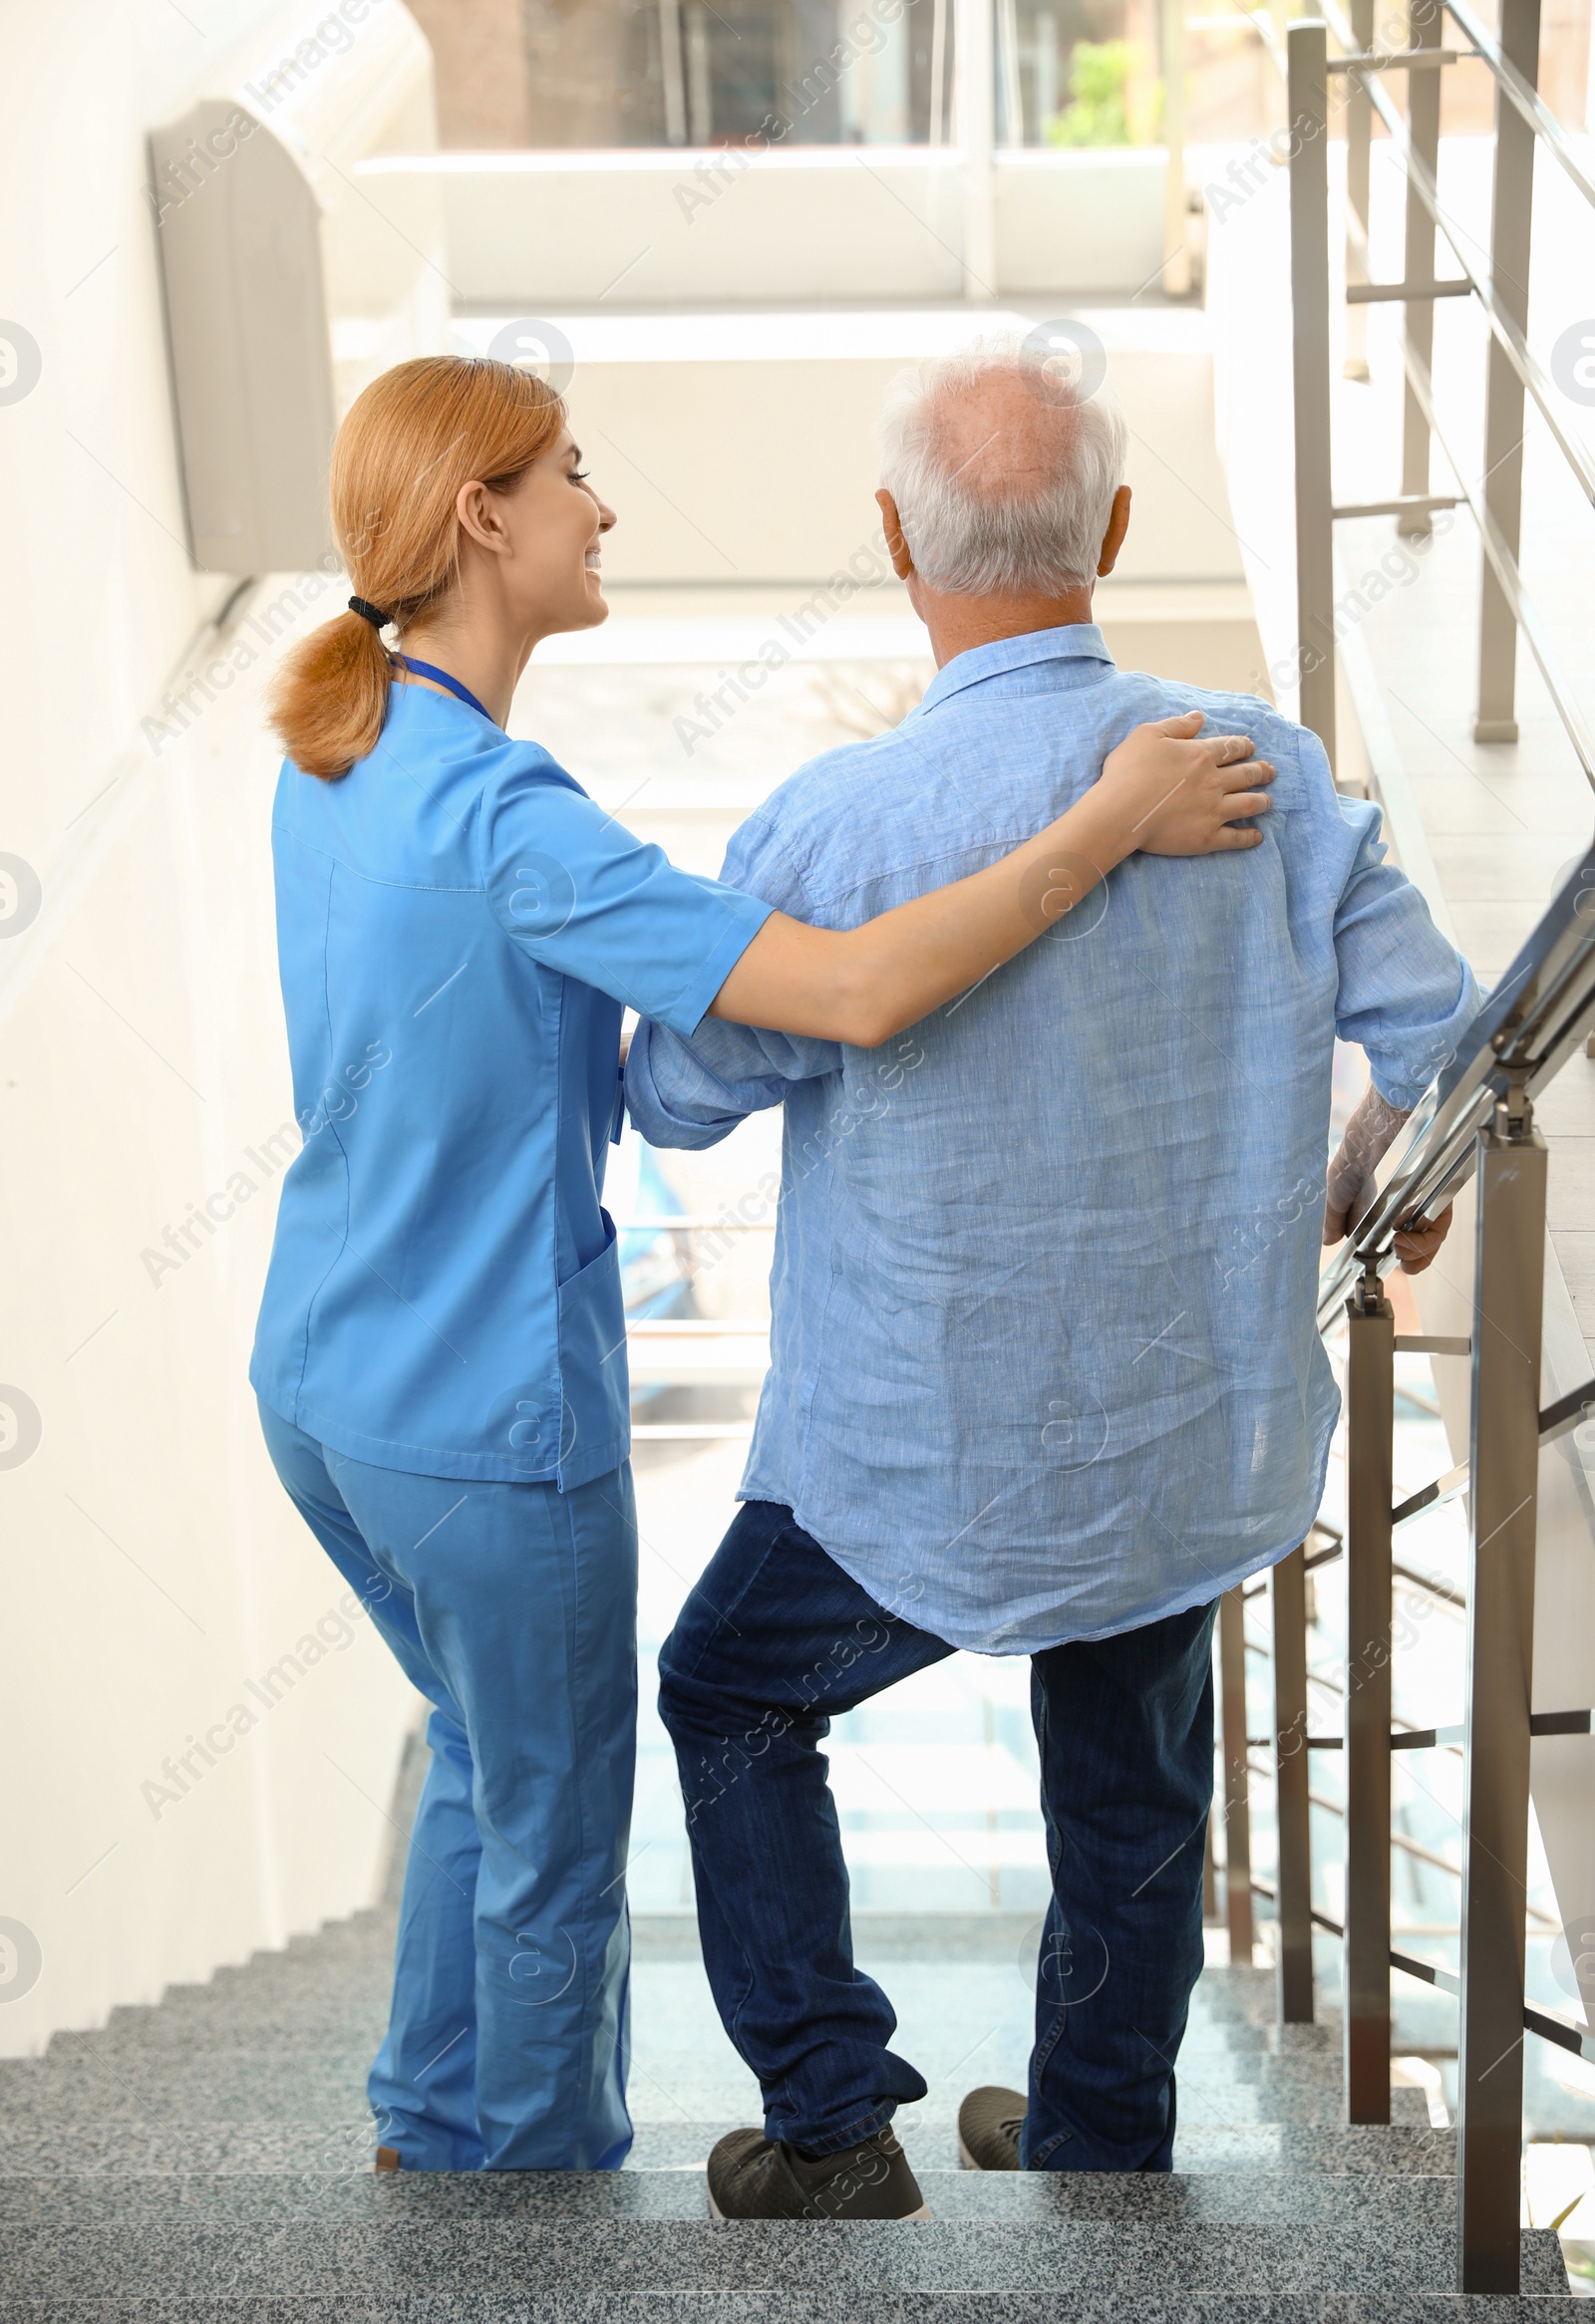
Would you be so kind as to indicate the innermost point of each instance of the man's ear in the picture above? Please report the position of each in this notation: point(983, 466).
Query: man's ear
point(1118, 526)
point(903, 563)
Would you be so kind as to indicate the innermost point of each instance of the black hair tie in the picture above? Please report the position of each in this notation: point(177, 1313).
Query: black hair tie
point(367, 612)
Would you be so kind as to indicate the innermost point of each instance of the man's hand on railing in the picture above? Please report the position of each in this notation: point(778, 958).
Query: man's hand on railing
point(1416, 1245)
point(1352, 1190)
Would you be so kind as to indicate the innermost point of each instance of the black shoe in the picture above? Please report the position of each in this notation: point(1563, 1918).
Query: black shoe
point(755, 2178)
point(989, 2123)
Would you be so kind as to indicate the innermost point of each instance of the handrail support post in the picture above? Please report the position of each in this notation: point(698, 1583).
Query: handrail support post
point(1306, 52)
point(1370, 1488)
point(1294, 1881)
point(1237, 1787)
point(1508, 1287)
point(1176, 223)
point(1511, 222)
point(1425, 24)
point(1359, 147)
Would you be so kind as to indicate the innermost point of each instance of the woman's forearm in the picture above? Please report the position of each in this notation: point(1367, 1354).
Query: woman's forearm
point(863, 984)
point(1160, 789)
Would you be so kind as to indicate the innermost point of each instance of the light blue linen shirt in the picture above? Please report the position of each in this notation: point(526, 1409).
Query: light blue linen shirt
point(1044, 1363)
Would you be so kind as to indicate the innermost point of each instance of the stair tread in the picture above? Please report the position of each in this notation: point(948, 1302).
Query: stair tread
point(227, 2148)
point(205, 2122)
point(118, 2079)
point(947, 2307)
point(1257, 2198)
point(354, 2028)
point(353, 2261)
point(1358, 2149)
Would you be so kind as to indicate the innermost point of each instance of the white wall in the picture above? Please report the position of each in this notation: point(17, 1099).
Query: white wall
point(151, 1565)
point(739, 448)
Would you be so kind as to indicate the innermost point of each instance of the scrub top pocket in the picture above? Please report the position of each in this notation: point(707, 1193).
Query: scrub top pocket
point(593, 1357)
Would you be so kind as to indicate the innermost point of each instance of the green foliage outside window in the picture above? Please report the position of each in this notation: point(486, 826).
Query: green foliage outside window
point(1098, 80)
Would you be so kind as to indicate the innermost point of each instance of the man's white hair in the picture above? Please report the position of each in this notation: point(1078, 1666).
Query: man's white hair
point(975, 529)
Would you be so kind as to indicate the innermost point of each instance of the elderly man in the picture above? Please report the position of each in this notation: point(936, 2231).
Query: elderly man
point(1045, 1378)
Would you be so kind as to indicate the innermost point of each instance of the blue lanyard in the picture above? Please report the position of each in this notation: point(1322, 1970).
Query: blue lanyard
point(463, 692)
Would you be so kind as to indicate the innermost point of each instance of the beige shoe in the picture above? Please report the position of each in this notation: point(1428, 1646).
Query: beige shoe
point(989, 2123)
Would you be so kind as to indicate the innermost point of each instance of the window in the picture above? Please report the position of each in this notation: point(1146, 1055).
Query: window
point(549, 75)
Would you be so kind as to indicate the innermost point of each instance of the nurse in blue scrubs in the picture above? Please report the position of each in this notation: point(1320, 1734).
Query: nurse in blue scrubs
point(441, 1358)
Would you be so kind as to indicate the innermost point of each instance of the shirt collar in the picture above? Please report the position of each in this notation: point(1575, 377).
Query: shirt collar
point(1078, 642)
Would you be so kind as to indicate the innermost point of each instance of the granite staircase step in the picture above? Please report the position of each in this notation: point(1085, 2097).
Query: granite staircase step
point(317, 2093)
point(1229, 1995)
point(437, 2256)
point(206, 2161)
point(183, 2149)
point(876, 2305)
point(354, 2023)
point(1394, 2203)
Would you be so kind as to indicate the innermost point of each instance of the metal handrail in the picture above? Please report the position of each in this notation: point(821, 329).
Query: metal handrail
point(1532, 1023)
point(1500, 288)
point(1527, 100)
point(1476, 1120)
point(1484, 49)
point(1513, 345)
point(1273, 47)
point(1509, 574)
point(1551, 2029)
point(1554, 1421)
point(1477, 1117)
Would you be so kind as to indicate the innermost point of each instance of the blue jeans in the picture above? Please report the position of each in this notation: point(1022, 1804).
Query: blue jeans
point(775, 1640)
point(512, 1609)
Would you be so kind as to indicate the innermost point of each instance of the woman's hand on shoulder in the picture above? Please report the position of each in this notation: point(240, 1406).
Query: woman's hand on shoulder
point(1184, 792)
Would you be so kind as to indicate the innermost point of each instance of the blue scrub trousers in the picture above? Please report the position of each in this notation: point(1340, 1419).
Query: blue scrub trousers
point(512, 1609)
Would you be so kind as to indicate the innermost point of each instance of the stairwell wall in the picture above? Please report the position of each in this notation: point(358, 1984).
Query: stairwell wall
point(201, 1742)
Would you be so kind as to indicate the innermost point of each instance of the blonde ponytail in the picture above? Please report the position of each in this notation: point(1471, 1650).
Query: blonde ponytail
point(409, 442)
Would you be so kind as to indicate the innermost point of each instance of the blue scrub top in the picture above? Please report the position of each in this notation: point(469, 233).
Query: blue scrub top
point(459, 926)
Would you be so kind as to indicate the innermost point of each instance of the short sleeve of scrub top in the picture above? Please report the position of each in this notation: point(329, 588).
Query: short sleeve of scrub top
point(586, 898)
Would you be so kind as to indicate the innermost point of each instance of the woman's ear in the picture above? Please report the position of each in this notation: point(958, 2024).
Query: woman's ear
point(481, 518)
point(903, 563)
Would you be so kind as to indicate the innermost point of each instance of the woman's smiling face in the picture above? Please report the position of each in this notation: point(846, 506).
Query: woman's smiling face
point(556, 522)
